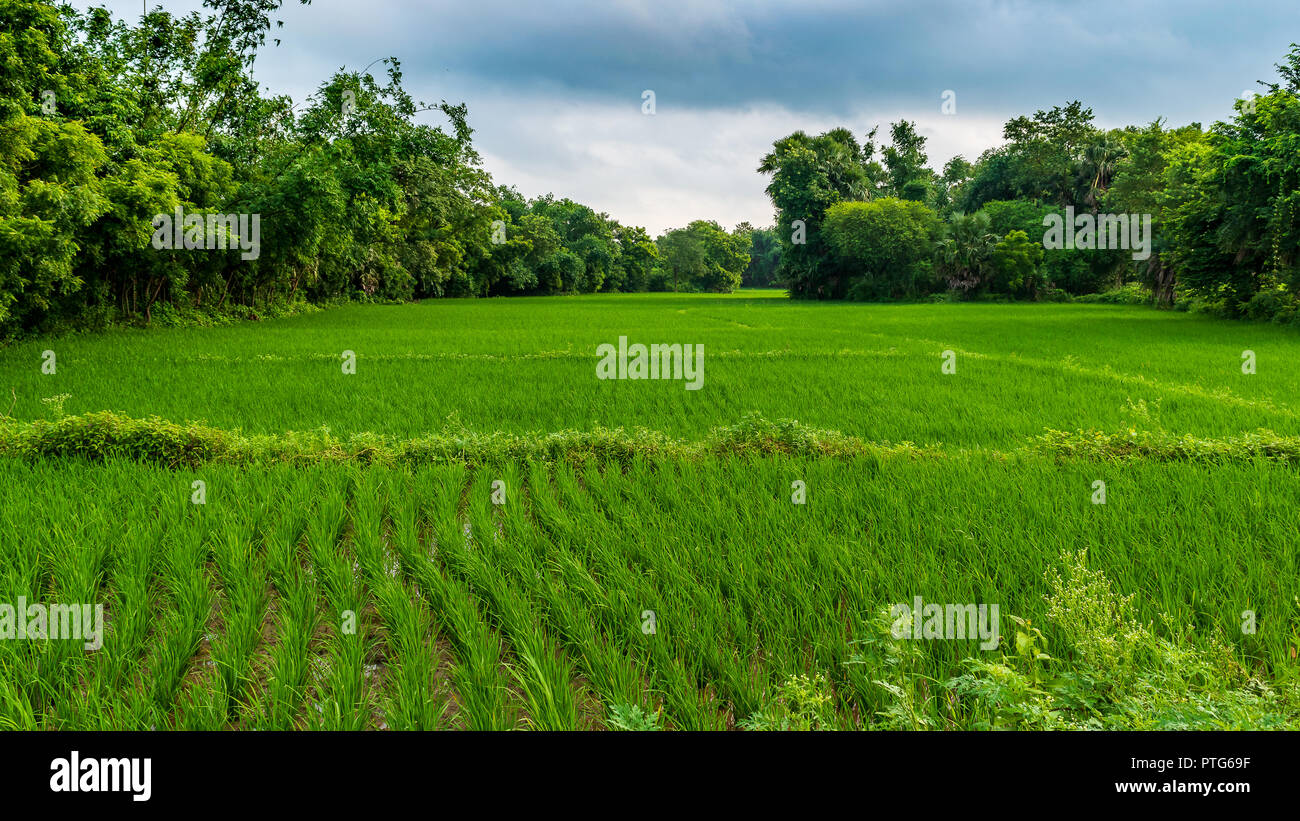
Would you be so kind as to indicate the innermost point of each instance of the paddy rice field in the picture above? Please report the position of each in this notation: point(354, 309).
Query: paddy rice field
point(473, 531)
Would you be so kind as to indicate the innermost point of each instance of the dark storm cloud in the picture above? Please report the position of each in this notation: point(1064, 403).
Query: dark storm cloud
point(1129, 60)
point(1124, 57)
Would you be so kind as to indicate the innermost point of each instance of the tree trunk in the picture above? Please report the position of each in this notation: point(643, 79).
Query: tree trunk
point(1162, 282)
point(148, 313)
point(226, 292)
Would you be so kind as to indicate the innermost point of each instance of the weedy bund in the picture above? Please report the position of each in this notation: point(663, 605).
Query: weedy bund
point(706, 594)
point(106, 435)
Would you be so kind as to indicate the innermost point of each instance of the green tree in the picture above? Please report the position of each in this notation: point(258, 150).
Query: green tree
point(637, 254)
point(965, 252)
point(1139, 187)
point(1075, 271)
point(764, 259)
point(883, 246)
point(1014, 265)
point(907, 176)
point(1049, 147)
point(809, 175)
point(704, 257)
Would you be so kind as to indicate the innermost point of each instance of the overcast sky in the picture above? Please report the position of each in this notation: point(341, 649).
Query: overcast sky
point(554, 88)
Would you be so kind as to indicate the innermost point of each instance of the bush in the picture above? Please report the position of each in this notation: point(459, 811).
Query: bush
point(803, 703)
point(1272, 306)
point(884, 246)
point(1131, 294)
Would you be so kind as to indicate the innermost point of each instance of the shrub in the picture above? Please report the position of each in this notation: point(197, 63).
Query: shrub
point(632, 718)
point(1130, 294)
point(884, 246)
point(105, 435)
point(1272, 306)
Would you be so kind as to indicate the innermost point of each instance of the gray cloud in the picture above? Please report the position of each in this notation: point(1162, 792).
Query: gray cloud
point(554, 89)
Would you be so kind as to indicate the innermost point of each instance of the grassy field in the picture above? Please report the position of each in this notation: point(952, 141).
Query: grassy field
point(744, 584)
point(528, 365)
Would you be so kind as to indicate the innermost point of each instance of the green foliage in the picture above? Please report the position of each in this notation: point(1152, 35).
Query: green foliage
point(1071, 270)
point(1229, 200)
point(631, 718)
point(1131, 294)
point(764, 266)
point(907, 176)
point(1048, 150)
point(1015, 264)
point(809, 175)
point(948, 187)
point(1273, 305)
point(1224, 206)
point(356, 200)
point(901, 689)
point(50, 196)
point(1162, 446)
point(103, 435)
point(704, 257)
point(802, 704)
point(883, 247)
point(1113, 672)
point(965, 253)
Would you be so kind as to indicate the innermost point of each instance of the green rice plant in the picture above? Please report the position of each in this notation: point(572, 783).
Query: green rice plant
point(243, 608)
point(611, 670)
point(543, 675)
point(16, 709)
point(287, 674)
point(477, 674)
point(286, 670)
point(411, 701)
point(341, 695)
point(869, 371)
point(183, 623)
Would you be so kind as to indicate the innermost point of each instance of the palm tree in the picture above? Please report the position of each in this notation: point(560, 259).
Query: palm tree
point(1099, 160)
point(965, 251)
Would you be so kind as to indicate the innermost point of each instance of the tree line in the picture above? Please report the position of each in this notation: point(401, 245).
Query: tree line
point(871, 220)
point(106, 125)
